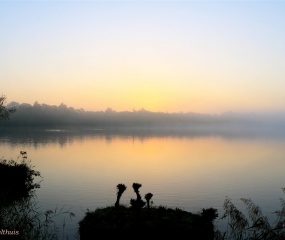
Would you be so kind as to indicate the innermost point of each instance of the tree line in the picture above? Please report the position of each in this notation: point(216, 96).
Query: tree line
point(43, 115)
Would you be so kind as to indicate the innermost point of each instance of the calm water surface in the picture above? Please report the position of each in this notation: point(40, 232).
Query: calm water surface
point(192, 171)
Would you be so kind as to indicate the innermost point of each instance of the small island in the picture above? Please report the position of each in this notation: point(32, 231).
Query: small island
point(142, 221)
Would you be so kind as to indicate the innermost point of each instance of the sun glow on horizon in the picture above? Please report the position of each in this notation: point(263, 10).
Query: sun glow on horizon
point(205, 57)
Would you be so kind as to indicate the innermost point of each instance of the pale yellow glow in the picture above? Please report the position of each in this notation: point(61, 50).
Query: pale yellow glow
point(209, 58)
point(89, 167)
point(140, 158)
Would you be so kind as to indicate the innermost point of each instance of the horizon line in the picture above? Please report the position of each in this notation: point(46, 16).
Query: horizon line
point(142, 109)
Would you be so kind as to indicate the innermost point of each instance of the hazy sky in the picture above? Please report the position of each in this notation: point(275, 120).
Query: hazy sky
point(200, 56)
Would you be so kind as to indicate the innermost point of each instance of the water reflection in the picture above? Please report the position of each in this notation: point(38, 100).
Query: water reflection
point(190, 171)
point(35, 137)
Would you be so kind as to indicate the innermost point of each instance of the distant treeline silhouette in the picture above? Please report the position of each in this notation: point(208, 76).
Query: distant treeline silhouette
point(43, 115)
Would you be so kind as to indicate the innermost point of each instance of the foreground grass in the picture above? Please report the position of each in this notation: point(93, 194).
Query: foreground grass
point(25, 220)
point(252, 224)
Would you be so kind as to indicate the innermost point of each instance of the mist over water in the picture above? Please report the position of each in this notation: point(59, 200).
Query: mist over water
point(55, 118)
point(191, 169)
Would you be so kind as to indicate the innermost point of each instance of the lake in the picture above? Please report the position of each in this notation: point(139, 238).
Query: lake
point(184, 168)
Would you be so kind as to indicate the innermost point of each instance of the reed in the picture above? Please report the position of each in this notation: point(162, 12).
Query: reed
point(251, 224)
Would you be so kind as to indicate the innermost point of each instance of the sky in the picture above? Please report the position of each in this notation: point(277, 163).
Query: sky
point(170, 56)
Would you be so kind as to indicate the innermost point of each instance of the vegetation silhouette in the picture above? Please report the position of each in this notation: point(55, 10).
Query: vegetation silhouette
point(20, 216)
point(147, 197)
point(24, 220)
point(121, 188)
point(138, 203)
point(152, 222)
point(4, 111)
point(251, 225)
point(17, 179)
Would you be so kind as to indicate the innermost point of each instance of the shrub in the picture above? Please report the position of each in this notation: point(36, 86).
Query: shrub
point(16, 180)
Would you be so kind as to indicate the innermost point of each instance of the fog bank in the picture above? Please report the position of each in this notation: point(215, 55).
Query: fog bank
point(62, 116)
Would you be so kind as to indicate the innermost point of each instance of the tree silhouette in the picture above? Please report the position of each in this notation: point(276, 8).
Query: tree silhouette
point(136, 187)
point(121, 188)
point(137, 203)
point(4, 111)
point(147, 197)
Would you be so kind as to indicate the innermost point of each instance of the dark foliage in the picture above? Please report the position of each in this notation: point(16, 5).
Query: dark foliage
point(16, 180)
point(121, 188)
point(147, 197)
point(4, 111)
point(160, 223)
point(138, 203)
